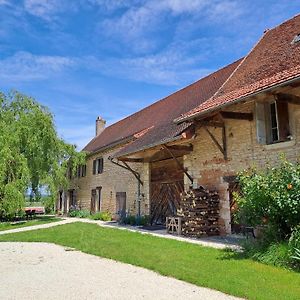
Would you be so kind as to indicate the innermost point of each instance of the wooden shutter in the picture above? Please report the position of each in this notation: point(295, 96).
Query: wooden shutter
point(283, 120)
point(94, 166)
point(100, 166)
point(260, 123)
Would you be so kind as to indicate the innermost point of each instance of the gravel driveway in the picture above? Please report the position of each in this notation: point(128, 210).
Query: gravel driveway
point(47, 271)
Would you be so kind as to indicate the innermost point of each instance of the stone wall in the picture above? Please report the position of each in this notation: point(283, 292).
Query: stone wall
point(113, 179)
point(207, 165)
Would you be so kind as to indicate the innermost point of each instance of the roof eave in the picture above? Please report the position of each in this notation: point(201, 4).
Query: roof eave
point(243, 98)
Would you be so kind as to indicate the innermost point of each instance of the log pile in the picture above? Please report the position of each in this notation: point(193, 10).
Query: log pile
point(199, 210)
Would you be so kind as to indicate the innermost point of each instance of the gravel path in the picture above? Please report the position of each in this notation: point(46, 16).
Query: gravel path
point(33, 227)
point(48, 271)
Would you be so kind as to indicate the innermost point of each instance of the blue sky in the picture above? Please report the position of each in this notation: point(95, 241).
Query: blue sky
point(111, 58)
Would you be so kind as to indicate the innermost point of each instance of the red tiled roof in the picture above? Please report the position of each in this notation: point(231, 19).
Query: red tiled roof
point(156, 136)
point(272, 61)
point(158, 117)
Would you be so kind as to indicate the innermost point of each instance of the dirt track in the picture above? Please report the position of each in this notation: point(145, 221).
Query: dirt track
point(47, 271)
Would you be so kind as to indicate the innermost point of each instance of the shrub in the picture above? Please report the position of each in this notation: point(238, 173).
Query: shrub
point(135, 220)
point(271, 196)
point(103, 216)
point(76, 213)
point(48, 203)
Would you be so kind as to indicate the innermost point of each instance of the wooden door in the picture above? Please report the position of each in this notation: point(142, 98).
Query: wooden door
point(98, 201)
point(93, 201)
point(121, 204)
point(166, 185)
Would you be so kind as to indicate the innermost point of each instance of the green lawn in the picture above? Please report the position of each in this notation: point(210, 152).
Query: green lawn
point(36, 221)
point(217, 269)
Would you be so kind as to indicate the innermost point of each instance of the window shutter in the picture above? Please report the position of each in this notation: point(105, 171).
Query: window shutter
point(94, 166)
point(283, 120)
point(260, 123)
point(100, 165)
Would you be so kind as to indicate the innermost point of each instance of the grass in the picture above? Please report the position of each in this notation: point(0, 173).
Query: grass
point(203, 266)
point(36, 221)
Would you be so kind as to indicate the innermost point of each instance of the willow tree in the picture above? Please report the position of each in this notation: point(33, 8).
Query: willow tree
point(31, 153)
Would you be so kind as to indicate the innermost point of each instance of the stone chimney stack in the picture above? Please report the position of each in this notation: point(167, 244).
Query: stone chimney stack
point(100, 125)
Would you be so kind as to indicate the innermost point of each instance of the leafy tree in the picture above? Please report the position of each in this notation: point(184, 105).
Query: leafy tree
point(31, 153)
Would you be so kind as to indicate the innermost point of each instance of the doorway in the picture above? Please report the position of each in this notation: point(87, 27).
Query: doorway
point(121, 204)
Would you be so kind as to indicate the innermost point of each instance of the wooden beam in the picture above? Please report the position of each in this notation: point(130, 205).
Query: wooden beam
point(136, 174)
point(179, 164)
point(236, 115)
point(134, 160)
point(211, 124)
point(293, 99)
point(181, 148)
point(128, 168)
point(222, 148)
point(224, 142)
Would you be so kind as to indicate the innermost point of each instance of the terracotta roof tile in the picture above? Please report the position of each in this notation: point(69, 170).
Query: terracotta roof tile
point(160, 115)
point(274, 60)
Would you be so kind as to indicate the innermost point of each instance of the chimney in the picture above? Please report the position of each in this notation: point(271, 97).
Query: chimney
point(100, 125)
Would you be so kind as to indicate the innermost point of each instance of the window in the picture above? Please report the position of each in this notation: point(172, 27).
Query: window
point(274, 134)
point(272, 122)
point(81, 171)
point(98, 166)
point(72, 198)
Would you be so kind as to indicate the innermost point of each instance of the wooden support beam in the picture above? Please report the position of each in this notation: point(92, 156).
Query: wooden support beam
point(293, 99)
point(222, 148)
point(179, 164)
point(211, 124)
point(236, 115)
point(128, 168)
point(134, 160)
point(188, 148)
point(224, 142)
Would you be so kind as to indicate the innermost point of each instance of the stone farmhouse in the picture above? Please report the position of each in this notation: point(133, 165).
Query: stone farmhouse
point(244, 114)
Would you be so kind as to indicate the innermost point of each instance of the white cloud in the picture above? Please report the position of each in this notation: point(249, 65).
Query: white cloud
point(80, 135)
point(4, 2)
point(179, 6)
point(24, 66)
point(172, 66)
point(112, 4)
point(139, 26)
point(45, 9)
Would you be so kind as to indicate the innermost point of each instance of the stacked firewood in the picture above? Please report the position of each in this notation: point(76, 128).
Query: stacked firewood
point(199, 210)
